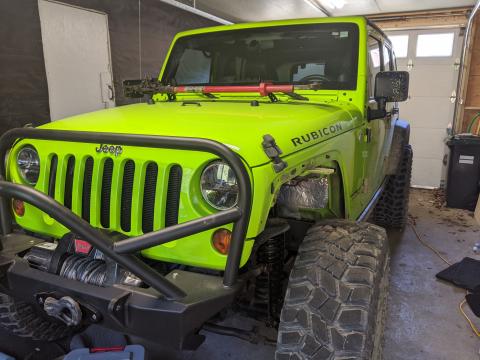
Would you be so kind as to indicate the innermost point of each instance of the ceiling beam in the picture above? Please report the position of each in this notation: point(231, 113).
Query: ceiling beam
point(196, 11)
point(420, 19)
point(459, 11)
point(316, 4)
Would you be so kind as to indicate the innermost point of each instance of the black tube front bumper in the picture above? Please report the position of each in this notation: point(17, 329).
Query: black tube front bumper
point(122, 251)
point(135, 311)
point(175, 306)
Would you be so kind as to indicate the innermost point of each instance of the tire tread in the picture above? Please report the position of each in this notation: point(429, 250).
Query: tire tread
point(331, 305)
point(392, 208)
point(21, 319)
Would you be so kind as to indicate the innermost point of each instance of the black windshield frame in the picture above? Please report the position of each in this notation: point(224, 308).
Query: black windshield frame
point(352, 56)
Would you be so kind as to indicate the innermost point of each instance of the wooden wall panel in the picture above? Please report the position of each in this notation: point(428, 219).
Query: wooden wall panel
point(471, 106)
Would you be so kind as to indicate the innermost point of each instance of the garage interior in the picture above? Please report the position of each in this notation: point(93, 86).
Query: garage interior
point(70, 57)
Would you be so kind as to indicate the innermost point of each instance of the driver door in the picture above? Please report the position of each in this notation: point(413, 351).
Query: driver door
point(378, 131)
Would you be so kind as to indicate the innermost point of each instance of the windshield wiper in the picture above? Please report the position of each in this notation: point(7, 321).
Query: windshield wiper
point(296, 96)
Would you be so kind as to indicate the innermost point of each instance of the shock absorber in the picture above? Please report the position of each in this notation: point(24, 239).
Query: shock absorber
point(269, 284)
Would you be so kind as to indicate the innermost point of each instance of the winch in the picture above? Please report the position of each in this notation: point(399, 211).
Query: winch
point(76, 259)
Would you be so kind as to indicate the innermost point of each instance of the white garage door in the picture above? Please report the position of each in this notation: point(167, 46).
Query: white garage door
point(77, 59)
point(432, 58)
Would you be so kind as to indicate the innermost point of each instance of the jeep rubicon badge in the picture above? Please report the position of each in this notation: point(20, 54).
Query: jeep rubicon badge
point(112, 149)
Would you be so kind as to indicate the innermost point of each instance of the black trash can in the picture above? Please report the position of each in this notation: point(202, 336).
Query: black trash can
point(463, 183)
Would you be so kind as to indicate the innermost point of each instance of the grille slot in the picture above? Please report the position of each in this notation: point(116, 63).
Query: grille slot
point(173, 195)
point(87, 189)
point(67, 199)
point(105, 194)
point(147, 208)
point(149, 193)
point(127, 192)
point(52, 176)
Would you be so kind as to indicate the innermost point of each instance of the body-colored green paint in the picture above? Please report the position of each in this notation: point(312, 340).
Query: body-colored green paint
point(328, 128)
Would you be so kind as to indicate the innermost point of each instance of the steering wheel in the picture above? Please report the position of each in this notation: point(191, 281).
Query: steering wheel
point(314, 77)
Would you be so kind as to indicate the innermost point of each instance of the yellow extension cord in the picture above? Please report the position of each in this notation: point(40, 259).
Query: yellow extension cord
point(436, 252)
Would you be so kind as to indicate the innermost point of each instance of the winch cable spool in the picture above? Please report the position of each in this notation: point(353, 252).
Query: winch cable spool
point(84, 269)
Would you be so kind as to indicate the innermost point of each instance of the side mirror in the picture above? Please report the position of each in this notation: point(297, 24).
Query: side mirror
point(392, 86)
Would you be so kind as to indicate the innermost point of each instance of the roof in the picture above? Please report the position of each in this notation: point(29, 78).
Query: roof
point(360, 20)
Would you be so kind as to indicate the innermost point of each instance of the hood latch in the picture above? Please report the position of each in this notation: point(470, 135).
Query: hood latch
point(273, 152)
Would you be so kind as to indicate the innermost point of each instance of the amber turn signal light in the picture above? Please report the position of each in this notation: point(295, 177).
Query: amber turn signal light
point(18, 207)
point(221, 240)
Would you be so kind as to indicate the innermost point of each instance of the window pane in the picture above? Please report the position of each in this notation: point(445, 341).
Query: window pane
point(375, 55)
point(374, 64)
point(325, 53)
point(400, 45)
point(387, 61)
point(309, 71)
point(195, 67)
point(431, 45)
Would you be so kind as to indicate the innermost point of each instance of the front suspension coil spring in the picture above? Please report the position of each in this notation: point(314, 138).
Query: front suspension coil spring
point(269, 284)
point(84, 269)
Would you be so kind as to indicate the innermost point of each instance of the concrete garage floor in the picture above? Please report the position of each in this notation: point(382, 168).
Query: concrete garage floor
point(424, 322)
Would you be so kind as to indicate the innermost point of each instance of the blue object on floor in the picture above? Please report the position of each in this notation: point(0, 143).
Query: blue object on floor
point(130, 352)
point(5, 357)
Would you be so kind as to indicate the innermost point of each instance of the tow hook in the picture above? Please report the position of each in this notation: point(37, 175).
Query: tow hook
point(65, 309)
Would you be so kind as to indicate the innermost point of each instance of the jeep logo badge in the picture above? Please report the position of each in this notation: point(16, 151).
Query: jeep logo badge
point(112, 149)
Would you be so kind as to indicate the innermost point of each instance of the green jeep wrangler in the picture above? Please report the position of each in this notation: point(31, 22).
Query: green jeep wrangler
point(242, 184)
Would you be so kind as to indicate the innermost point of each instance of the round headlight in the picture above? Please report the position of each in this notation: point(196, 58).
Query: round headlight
point(219, 186)
point(28, 164)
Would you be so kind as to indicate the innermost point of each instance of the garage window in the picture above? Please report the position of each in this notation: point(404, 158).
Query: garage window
point(400, 45)
point(435, 45)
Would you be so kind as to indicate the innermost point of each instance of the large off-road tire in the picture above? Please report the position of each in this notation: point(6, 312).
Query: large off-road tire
point(22, 319)
point(392, 208)
point(335, 303)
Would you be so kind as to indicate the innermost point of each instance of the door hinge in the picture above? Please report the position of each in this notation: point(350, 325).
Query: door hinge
point(368, 135)
point(456, 64)
point(453, 97)
point(365, 185)
point(410, 64)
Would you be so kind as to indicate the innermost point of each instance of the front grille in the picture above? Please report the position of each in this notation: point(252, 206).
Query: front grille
point(67, 194)
point(87, 188)
point(53, 176)
point(173, 195)
point(110, 189)
point(106, 192)
point(149, 192)
point(127, 193)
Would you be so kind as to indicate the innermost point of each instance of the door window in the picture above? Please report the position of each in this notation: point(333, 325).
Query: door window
point(435, 45)
point(400, 45)
point(387, 58)
point(374, 64)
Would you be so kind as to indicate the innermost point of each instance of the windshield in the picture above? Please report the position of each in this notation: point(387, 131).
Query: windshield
point(326, 54)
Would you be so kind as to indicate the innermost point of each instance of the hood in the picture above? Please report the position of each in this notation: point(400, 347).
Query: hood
point(238, 125)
